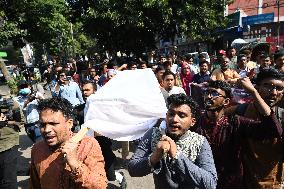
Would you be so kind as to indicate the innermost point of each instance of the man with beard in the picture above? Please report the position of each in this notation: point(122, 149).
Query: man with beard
point(225, 133)
point(263, 159)
point(177, 157)
point(58, 161)
point(225, 73)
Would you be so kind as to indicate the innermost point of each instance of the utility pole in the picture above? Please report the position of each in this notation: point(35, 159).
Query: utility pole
point(278, 22)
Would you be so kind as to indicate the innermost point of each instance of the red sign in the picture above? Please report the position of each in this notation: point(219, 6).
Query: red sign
point(274, 41)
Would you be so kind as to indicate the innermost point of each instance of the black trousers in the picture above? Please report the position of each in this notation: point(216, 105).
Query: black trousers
point(109, 156)
point(8, 168)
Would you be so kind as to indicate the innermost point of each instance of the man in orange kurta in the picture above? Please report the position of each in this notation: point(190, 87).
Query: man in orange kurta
point(225, 73)
point(57, 161)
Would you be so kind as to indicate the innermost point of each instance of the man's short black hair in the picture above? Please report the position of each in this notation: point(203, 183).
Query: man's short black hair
point(142, 62)
point(67, 73)
point(240, 57)
point(167, 63)
point(221, 85)
point(270, 73)
point(187, 57)
point(57, 104)
point(278, 54)
point(168, 72)
point(265, 55)
point(203, 62)
point(94, 85)
point(130, 64)
point(181, 99)
point(159, 68)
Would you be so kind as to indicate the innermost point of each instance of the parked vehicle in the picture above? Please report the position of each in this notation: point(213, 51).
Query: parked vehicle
point(196, 54)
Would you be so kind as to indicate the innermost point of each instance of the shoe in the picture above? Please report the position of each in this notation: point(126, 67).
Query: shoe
point(123, 184)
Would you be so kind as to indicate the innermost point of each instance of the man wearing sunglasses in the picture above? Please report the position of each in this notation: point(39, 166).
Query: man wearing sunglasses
point(225, 133)
point(67, 89)
point(263, 158)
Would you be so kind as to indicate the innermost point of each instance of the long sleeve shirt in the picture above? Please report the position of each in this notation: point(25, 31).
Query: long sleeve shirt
point(193, 168)
point(71, 92)
point(49, 170)
point(225, 138)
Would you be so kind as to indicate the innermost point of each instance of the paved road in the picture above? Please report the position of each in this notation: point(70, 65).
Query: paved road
point(25, 154)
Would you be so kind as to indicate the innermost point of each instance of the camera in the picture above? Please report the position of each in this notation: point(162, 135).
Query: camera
point(6, 107)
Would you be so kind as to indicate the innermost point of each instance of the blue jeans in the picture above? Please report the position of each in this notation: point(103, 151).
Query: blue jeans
point(33, 132)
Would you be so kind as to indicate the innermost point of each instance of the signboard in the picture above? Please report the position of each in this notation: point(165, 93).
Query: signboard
point(3, 54)
point(274, 41)
point(234, 19)
point(258, 19)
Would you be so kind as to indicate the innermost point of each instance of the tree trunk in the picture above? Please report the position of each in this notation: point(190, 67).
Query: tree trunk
point(5, 71)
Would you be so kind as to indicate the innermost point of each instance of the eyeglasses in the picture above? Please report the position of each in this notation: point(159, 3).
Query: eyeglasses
point(213, 93)
point(62, 75)
point(272, 87)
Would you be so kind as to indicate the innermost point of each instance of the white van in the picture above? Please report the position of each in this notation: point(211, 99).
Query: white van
point(205, 54)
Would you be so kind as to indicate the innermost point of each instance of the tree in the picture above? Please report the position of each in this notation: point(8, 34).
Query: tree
point(129, 25)
point(45, 24)
point(9, 23)
point(68, 27)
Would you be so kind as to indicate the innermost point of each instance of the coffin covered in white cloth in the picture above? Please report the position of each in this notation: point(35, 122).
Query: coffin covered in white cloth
point(127, 106)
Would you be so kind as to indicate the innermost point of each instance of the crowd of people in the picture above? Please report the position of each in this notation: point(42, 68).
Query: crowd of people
point(223, 127)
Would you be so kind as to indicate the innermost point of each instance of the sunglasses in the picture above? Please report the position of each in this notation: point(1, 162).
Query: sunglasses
point(272, 87)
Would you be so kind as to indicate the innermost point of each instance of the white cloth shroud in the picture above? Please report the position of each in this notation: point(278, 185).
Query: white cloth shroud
point(126, 106)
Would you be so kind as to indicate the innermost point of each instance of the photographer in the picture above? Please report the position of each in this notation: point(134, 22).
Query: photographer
point(32, 116)
point(28, 100)
point(65, 88)
point(10, 124)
